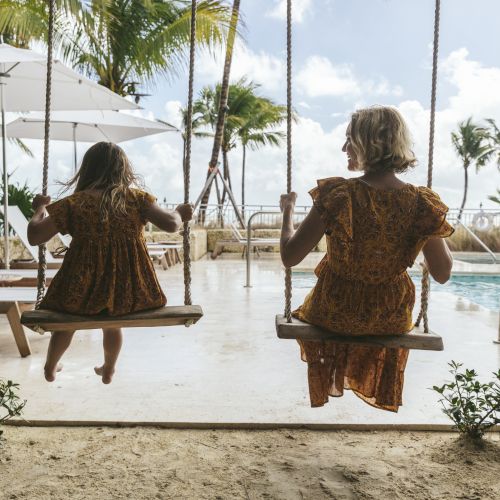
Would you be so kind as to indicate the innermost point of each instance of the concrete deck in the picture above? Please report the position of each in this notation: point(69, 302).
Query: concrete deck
point(231, 368)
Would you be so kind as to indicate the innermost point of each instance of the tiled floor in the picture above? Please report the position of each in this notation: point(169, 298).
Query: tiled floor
point(230, 367)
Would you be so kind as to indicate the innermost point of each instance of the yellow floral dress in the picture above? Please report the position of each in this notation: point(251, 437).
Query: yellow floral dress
point(363, 288)
point(107, 268)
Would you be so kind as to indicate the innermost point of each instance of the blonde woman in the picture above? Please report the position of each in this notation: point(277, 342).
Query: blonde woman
point(107, 268)
point(375, 225)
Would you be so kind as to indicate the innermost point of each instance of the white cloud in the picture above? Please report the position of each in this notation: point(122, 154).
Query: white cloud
point(319, 77)
point(317, 149)
point(299, 9)
point(261, 67)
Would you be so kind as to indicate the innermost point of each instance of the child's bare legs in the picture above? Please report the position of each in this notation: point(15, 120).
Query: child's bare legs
point(59, 342)
point(112, 340)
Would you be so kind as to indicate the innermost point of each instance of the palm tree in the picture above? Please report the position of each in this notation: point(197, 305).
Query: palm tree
point(496, 199)
point(219, 127)
point(24, 21)
point(249, 119)
point(471, 144)
point(121, 43)
point(258, 131)
point(495, 138)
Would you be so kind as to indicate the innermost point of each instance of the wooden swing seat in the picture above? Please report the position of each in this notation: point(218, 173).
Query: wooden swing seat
point(416, 339)
point(50, 321)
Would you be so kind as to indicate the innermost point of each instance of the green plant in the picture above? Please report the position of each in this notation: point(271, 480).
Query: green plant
point(22, 196)
point(11, 404)
point(471, 405)
point(472, 145)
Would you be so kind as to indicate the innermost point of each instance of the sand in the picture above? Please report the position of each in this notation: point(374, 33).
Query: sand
point(145, 463)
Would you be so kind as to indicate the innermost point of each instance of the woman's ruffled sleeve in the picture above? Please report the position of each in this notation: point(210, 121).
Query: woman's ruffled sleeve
point(145, 200)
point(332, 200)
point(430, 220)
point(60, 213)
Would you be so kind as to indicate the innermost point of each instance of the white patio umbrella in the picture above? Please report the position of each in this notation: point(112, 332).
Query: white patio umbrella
point(86, 126)
point(23, 75)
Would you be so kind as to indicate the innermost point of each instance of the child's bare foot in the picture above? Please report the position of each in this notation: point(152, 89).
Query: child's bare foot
point(105, 372)
point(50, 373)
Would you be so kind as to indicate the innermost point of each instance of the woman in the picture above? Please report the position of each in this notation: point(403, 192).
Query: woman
point(375, 225)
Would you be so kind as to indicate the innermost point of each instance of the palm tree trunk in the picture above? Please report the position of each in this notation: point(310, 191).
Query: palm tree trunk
point(225, 167)
point(219, 129)
point(243, 166)
point(466, 187)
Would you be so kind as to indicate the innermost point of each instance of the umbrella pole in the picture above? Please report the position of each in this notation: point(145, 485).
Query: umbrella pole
point(75, 154)
point(5, 180)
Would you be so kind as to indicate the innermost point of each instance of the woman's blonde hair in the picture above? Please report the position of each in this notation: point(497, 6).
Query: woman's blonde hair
point(105, 167)
point(381, 140)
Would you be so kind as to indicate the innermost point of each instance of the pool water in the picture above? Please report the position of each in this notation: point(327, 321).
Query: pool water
point(482, 290)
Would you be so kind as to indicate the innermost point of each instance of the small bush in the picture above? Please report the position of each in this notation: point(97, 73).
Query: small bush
point(462, 241)
point(473, 406)
point(10, 403)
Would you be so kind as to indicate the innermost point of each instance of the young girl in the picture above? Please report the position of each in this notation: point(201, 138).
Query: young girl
point(375, 225)
point(107, 268)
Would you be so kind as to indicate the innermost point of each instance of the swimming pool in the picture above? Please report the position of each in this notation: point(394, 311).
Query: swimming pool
point(482, 290)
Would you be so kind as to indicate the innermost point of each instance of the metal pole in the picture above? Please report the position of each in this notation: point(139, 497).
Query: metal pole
point(5, 178)
point(249, 238)
point(75, 154)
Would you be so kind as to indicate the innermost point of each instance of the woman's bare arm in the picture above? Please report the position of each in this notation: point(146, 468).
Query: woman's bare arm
point(169, 220)
point(295, 245)
point(41, 227)
point(438, 259)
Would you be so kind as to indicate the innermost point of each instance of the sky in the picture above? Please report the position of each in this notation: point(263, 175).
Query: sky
point(347, 55)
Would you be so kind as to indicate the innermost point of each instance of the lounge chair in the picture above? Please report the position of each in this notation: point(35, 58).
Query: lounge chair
point(19, 224)
point(239, 239)
point(166, 254)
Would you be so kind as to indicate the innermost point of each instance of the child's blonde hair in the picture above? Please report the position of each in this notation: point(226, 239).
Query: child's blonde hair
point(381, 140)
point(105, 167)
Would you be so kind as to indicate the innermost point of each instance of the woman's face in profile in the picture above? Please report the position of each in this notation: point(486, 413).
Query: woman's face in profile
point(352, 163)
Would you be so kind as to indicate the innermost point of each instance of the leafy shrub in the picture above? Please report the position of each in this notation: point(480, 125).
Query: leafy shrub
point(462, 241)
point(471, 405)
point(22, 196)
point(10, 403)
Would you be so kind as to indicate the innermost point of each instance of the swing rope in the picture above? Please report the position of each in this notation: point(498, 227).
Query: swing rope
point(187, 160)
point(42, 249)
point(426, 284)
point(288, 271)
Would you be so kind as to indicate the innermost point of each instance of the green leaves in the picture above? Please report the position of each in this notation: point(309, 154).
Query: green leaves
point(10, 403)
point(472, 143)
point(473, 406)
point(122, 43)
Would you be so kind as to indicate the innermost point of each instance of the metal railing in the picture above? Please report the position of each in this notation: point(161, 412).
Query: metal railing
point(219, 216)
point(249, 236)
point(477, 239)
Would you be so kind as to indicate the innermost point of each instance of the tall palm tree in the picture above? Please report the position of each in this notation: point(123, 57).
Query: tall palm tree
point(471, 144)
point(494, 132)
point(259, 130)
point(219, 128)
point(249, 119)
point(121, 43)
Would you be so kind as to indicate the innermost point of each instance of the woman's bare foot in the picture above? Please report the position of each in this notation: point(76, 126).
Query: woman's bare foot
point(50, 373)
point(105, 372)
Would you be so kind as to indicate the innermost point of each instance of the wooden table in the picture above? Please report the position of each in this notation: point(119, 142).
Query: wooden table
point(13, 301)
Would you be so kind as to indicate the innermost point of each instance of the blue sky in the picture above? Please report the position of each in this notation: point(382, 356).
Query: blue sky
point(347, 54)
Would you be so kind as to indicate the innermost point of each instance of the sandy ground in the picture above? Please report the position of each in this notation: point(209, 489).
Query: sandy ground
point(139, 463)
